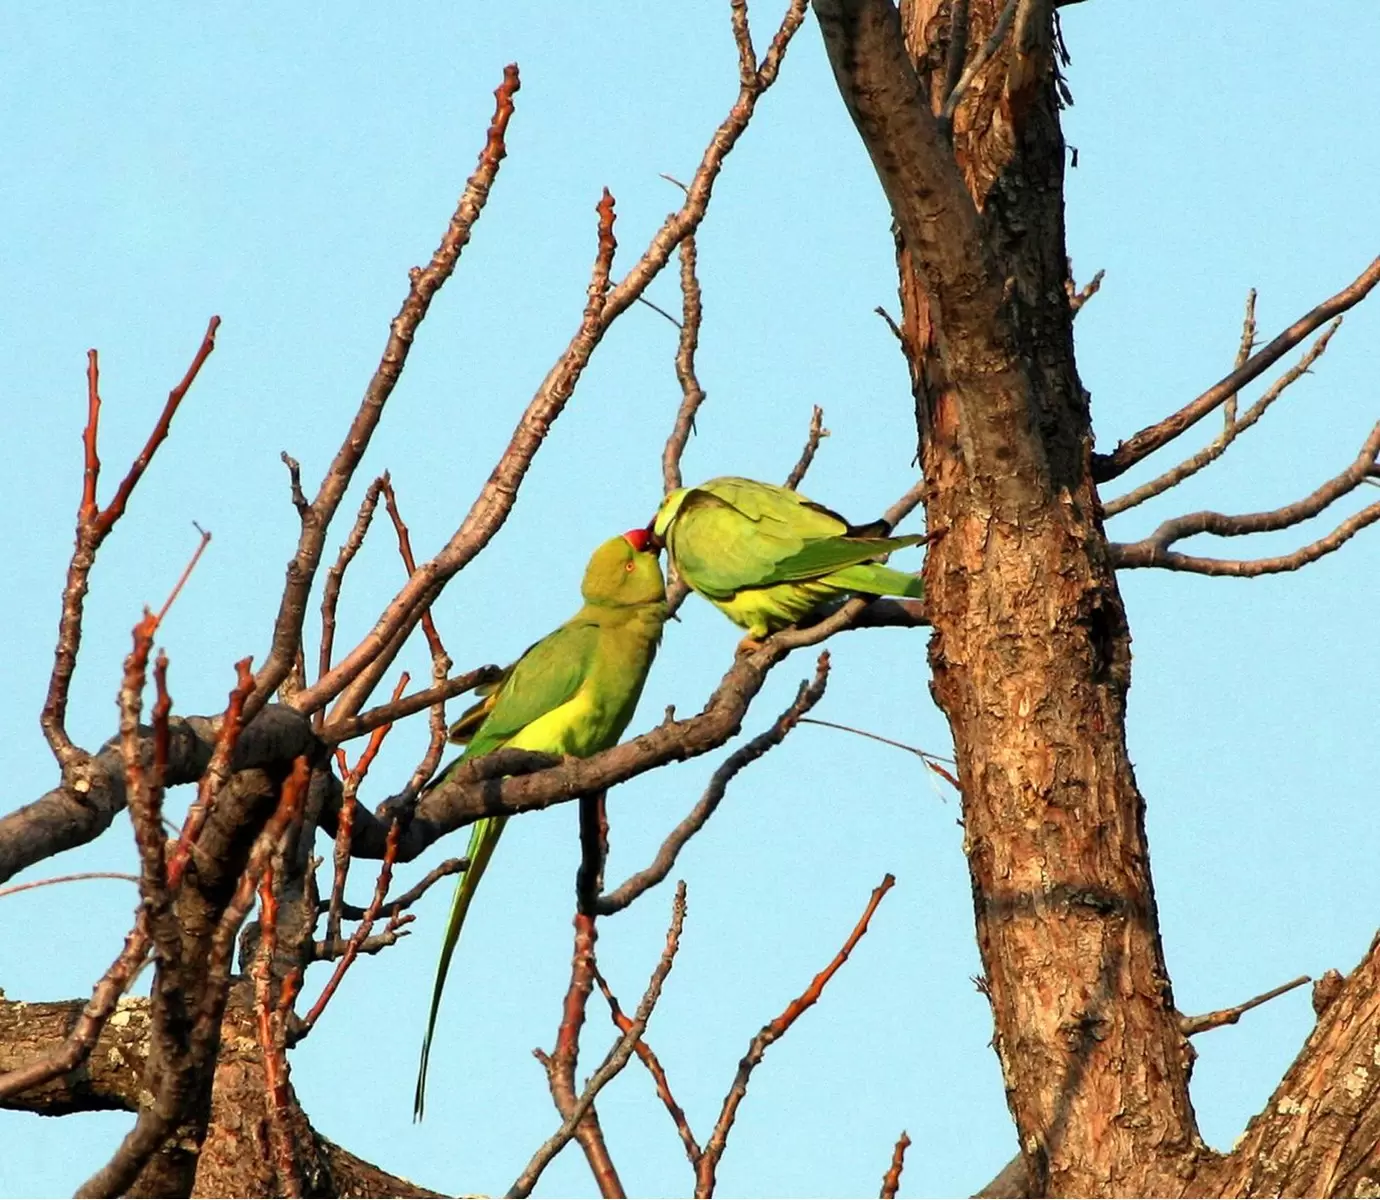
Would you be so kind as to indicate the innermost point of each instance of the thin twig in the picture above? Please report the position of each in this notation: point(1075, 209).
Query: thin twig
point(614, 1061)
point(216, 773)
point(79, 876)
point(653, 1064)
point(816, 434)
point(451, 866)
point(424, 282)
point(271, 1045)
point(499, 493)
point(891, 1181)
point(692, 394)
point(93, 525)
point(807, 696)
point(1214, 449)
point(335, 576)
point(1188, 1026)
point(348, 804)
point(385, 714)
point(1148, 440)
point(1154, 551)
point(357, 938)
point(769, 1033)
point(560, 1064)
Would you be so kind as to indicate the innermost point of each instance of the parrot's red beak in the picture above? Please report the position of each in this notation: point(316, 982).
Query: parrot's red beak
point(640, 540)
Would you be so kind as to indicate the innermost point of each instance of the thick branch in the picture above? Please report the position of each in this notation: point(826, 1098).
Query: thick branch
point(83, 807)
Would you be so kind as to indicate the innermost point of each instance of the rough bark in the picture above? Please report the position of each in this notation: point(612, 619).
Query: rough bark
point(234, 1159)
point(1030, 652)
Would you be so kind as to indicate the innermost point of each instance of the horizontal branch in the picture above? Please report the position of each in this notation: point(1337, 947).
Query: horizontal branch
point(509, 782)
point(1147, 441)
point(83, 807)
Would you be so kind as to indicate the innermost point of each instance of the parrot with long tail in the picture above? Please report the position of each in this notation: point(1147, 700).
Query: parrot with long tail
point(768, 557)
point(572, 693)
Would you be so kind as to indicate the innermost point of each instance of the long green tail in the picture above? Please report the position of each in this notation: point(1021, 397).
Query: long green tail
point(877, 580)
point(483, 839)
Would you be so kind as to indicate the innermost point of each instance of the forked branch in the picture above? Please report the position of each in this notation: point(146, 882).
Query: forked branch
point(1150, 439)
point(1155, 551)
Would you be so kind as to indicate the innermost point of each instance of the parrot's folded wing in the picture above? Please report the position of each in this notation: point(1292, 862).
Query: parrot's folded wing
point(820, 558)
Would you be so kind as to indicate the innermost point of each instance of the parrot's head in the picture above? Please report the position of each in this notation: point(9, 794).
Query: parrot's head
point(661, 523)
point(624, 571)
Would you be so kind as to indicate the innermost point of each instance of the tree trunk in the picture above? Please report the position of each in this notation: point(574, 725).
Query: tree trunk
point(1030, 652)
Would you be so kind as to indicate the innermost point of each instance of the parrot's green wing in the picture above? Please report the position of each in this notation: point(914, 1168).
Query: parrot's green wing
point(821, 558)
point(737, 533)
point(545, 677)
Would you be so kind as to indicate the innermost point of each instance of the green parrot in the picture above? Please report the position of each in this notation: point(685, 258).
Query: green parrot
point(768, 557)
point(573, 693)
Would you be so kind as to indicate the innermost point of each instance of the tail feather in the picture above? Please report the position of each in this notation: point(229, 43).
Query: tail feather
point(483, 839)
point(873, 579)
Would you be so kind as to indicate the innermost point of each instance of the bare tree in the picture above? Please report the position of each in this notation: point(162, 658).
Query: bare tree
point(958, 106)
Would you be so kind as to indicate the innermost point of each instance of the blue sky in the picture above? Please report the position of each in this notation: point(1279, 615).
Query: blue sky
point(285, 169)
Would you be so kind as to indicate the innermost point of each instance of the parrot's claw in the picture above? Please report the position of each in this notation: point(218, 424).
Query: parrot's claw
point(749, 645)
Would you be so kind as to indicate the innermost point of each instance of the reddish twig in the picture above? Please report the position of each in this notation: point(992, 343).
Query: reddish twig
point(891, 1181)
point(806, 697)
point(816, 434)
point(358, 936)
point(653, 1064)
point(1150, 439)
point(424, 284)
point(923, 755)
point(1154, 551)
point(268, 1019)
point(1229, 1016)
point(186, 572)
point(216, 773)
point(769, 1033)
point(560, 1065)
point(348, 803)
point(93, 526)
point(616, 1059)
point(116, 508)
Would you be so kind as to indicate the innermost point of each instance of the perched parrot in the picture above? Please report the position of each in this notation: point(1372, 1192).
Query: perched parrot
point(768, 557)
point(572, 693)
